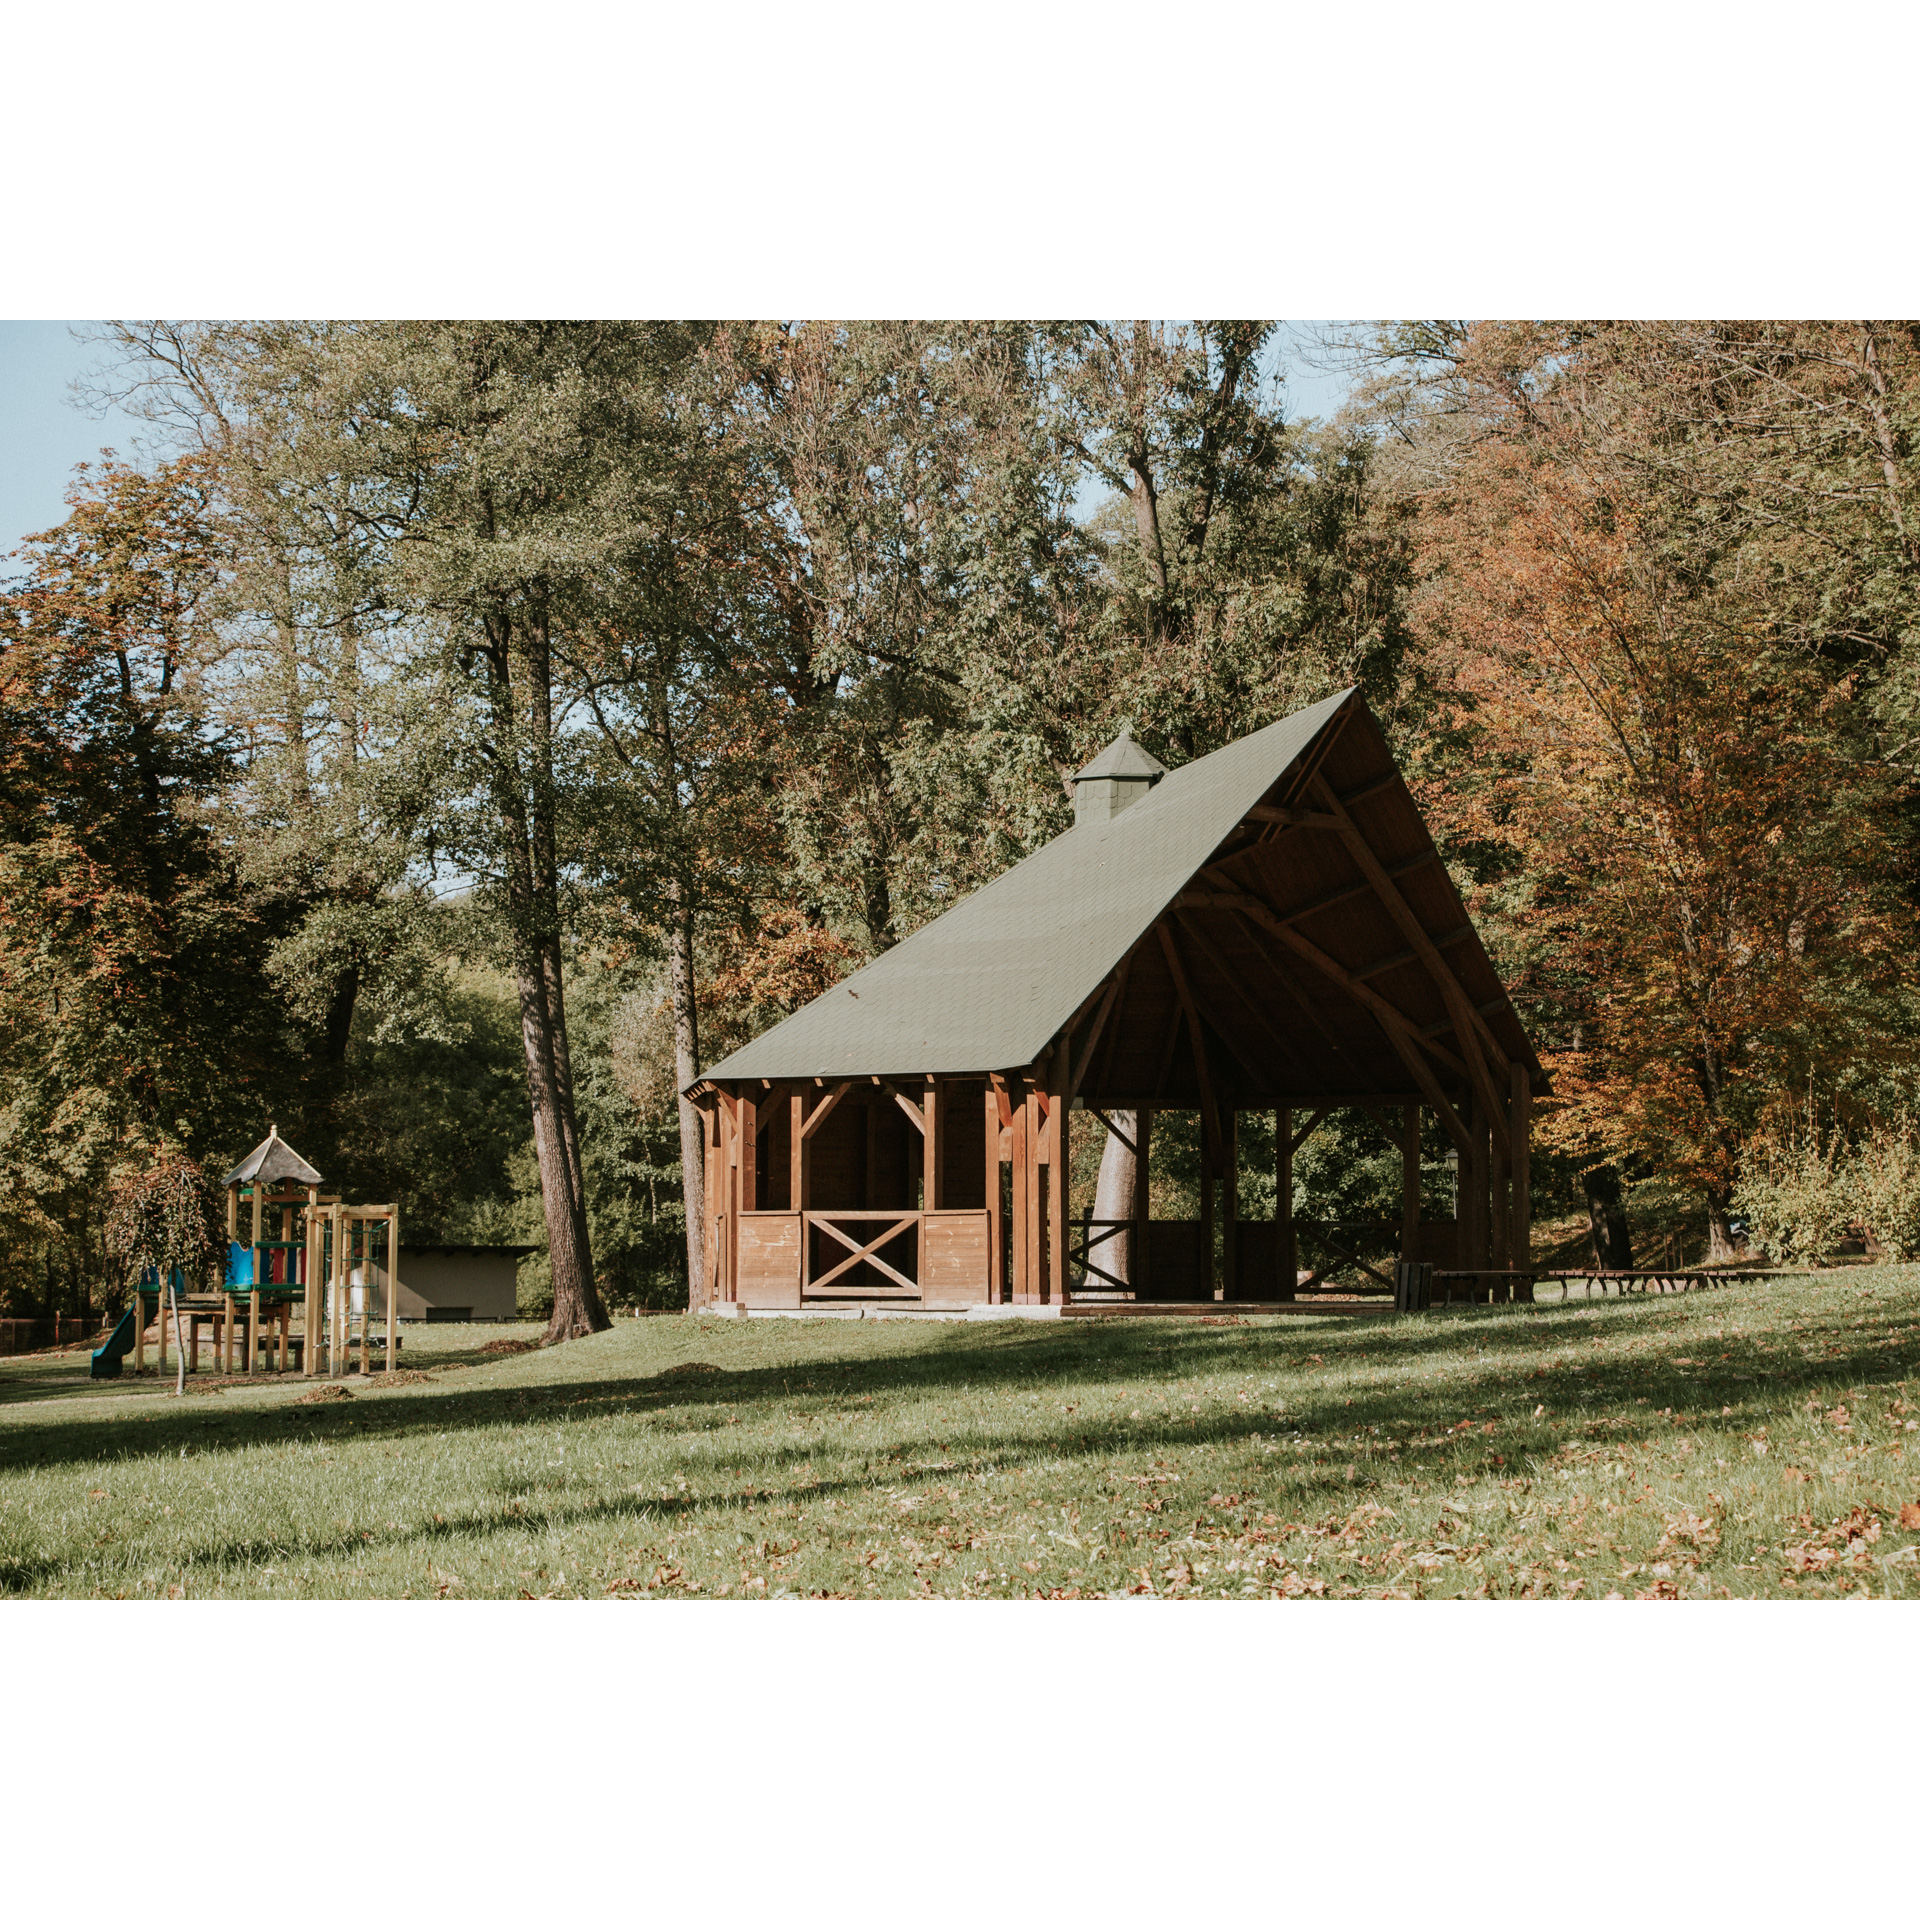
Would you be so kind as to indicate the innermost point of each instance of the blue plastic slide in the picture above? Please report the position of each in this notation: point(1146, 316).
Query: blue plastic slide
point(106, 1360)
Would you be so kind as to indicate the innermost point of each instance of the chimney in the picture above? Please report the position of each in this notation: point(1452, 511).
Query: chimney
point(1113, 780)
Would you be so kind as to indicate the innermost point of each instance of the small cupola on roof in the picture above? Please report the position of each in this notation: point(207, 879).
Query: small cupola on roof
point(1113, 780)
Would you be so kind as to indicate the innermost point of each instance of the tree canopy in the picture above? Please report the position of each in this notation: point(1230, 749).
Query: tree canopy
point(457, 732)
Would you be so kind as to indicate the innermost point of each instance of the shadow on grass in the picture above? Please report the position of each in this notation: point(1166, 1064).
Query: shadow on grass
point(1476, 1424)
point(1728, 1370)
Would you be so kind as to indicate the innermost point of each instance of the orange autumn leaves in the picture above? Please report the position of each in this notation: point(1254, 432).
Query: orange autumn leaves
point(1685, 862)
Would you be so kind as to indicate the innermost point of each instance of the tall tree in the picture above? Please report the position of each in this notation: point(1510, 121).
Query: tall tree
point(484, 478)
point(1689, 849)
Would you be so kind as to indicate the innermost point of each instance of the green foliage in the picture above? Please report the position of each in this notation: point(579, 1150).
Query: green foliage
point(165, 1216)
point(1804, 1190)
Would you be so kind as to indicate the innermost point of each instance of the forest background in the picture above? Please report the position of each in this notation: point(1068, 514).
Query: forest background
point(443, 738)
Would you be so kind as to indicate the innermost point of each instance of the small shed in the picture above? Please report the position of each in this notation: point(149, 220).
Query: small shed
point(461, 1283)
point(1267, 928)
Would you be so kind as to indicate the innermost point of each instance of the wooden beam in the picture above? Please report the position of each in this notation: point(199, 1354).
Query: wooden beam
point(1301, 1138)
point(1468, 1032)
point(1389, 1016)
point(1407, 954)
point(1410, 1184)
point(818, 1117)
point(1139, 1235)
point(992, 1098)
point(1293, 817)
point(1342, 895)
point(1032, 1133)
point(1208, 1278)
point(1522, 1169)
point(1423, 1077)
point(1107, 1004)
point(1059, 1169)
point(911, 1108)
point(1253, 1008)
point(1166, 1050)
point(1256, 1075)
point(1209, 1114)
point(930, 1153)
point(1230, 1279)
point(798, 1153)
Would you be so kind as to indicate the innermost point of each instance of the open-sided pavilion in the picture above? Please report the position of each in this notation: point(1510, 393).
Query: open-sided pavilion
point(1267, 928)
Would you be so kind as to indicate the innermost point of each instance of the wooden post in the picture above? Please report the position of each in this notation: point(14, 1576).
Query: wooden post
point(748, 1113)
point(930, 1199)
point(336, 1297)
point(233, 1222)
point(393, 1284)
point(1026, 1195)
point(139, 1328)
point(1230, 1209)
point(796, 1152)
point(1474, 1185)
point(193, 1343)
point(1206, 1222)
point(1138, 1273)
point(1058, 1167)
point(1286, 1252)
point(253, 1319)
point(1522, 1111)
point(1019, 1154)
point(1410, 1183)
point(258, 1210)
point(996, 1220)
point(313, 1280)
point(166, 1291)
point(226, 1331)
point(1499, 1210)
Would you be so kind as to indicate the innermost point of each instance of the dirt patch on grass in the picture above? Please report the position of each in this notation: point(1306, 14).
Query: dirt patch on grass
point(509, 1346)
point(320, 1395)
point(688, 1367)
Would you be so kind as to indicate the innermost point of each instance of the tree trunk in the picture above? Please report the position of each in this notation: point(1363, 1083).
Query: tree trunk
point(576, 1301)
point(686, 1068)
point(532, 885)
point(1612, 1246)
point(1114, 1193)
point(1720, 1245)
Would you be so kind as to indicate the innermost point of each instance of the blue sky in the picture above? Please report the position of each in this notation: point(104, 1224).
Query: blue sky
point(43, 436)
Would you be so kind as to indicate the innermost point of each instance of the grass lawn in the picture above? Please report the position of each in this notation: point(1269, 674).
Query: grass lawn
point(1761, 1440)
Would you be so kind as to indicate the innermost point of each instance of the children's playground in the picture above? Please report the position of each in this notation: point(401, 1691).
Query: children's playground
point(307, 1285)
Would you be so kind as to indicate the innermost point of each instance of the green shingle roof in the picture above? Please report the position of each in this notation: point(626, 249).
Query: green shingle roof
point(989, 984)
point(1123, 759)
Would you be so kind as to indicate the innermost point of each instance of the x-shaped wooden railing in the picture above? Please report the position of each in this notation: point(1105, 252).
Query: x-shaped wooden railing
point(868, 1253)
point(1082, 1256)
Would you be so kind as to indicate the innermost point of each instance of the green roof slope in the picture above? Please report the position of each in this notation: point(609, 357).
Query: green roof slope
point(985, 987)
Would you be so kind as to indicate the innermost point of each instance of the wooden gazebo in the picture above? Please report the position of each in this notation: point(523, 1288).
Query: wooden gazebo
point(1269, 927)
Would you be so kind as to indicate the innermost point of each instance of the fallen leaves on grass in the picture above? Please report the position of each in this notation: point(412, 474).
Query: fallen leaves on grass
point(400, 1377)
point(1847, 1540)
point(1910, 1517)
point(687, 1367)
point(320, 1395)
point(509, 1346)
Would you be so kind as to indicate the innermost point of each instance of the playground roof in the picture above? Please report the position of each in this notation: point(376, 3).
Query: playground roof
point(273, 1160)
